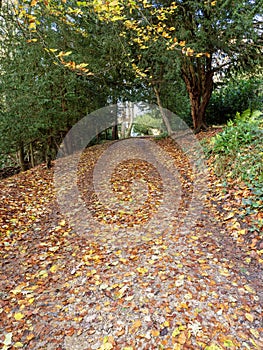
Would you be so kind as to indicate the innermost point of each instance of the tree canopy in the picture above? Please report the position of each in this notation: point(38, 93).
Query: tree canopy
point(63, 59)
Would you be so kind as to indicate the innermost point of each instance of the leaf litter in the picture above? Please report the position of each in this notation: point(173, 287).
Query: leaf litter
point(179, 290)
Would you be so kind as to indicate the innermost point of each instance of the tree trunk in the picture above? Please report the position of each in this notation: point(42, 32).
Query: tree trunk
point(21, 157)
point(130, 118)
point(123, 124)
point(114, 131)
point(198, 78)
point(49, 152)
point(32, 160)
point(164, 117)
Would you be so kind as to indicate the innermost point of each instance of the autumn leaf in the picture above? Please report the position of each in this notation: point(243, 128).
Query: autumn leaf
point(142, 270)
point(18, 316)
point(249, 317)
point(155, 332)
point(32, 26)
point(54, 268)
point(106, 346)
point(8, 339)
point(254, 332)
point(181, 339)
point(249, 289)
point(135, 326)
point(18, 345)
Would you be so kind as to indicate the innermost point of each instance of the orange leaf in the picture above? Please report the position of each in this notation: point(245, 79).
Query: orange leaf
point(182, 338)
point(136, 324)
point(155, 333)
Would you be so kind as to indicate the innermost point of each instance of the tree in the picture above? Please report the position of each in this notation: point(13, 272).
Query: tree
point(40, 98)
point(212, 37)
point(107, 43)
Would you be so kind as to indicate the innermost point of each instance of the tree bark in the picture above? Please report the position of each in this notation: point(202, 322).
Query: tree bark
point(164, 117)
point(32, 160)
point(21, 157)
point(49, 152)
point(130, 118)
point(198, 78)
point(114, 131)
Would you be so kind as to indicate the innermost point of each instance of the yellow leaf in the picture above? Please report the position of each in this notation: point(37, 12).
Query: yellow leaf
point(32, 40)
point(224, 272)
point(142, 270)
point(51, 50)
point(213, 3)
point(242, 232)
point(106, 346)
point(18, 316)
point(249, 289)
point(176, 332)
point(83, 65)
point(177, 347)
point(54, 268)
point(249, 317)
point(213, 347)
point(31, 300)
point(228, 343)
point(231, 214)
point(42, 274)
point(32, 25)
point(33, 2)
point(254, 332)
point(18, 345)
point(62, 222)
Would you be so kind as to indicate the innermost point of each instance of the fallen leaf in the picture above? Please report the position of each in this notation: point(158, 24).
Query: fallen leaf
point(18, 316)
point(249, 317)
point(136, 324)
point(254, 332)
point(8, 339)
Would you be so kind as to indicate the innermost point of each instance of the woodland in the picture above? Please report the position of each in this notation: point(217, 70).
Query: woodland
point(168, 252)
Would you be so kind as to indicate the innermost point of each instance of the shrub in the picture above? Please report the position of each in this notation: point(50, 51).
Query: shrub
point(237, 153)
point(235, 95)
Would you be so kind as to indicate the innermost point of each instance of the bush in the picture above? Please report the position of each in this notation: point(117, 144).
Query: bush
point(237, 153)
point(235, 95)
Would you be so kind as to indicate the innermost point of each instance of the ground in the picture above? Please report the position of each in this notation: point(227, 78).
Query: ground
point(169, 269)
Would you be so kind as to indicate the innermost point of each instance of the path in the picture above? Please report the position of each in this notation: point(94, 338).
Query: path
point(154, 288)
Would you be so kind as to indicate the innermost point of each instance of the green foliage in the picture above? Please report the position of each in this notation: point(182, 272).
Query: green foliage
point(244, 130)
point(237, 153)
point(144, 124)
point(234, 95)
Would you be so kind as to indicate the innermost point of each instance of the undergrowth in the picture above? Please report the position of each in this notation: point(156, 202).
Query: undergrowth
point(237, 154)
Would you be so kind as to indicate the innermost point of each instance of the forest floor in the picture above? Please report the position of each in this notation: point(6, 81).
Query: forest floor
point(169, 269)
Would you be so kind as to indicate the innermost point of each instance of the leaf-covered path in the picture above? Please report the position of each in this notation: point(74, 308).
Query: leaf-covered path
point(183, 288)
